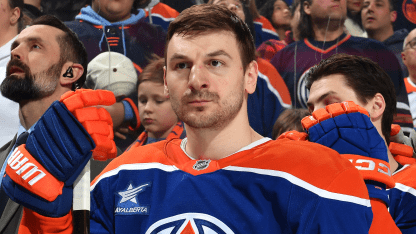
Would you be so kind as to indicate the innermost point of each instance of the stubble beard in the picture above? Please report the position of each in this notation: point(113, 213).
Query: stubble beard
point(227, 109)
point(31, 86)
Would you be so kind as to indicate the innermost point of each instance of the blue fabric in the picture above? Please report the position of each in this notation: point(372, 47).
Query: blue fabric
point(350, 134)
point(61, 144)
point(128, 111)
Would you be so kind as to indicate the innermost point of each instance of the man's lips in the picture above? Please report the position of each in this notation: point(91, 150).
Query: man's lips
point(147, 121)
point(198, 102)
point(370, 18)
point(15, 69)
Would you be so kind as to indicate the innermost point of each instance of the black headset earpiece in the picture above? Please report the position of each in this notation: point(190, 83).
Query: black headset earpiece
point(68, 73)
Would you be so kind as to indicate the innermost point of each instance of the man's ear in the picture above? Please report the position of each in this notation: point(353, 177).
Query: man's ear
point(165, 83)
point(15, 16)
point(393, 16)
point(377, 108)
point(307, 7)
point(73, 72)
point(250, 77)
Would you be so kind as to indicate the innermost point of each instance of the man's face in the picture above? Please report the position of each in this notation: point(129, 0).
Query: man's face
point(324, 10)
point(331, 89)
point(409, 52)
point(205, 79)
point(235, 6)
point(35, 67)
point(5, 14)
point(376, 15)
point(113, 10)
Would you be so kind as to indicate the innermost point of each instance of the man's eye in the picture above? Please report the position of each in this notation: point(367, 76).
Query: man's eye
point(36, 47)
point(216, 63)
point(182, 65)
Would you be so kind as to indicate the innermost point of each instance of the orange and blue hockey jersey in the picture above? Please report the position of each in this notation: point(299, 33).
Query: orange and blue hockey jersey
point(309, 52)
point(403, 199)
point(270, 98)
point(160, 189)
point(264, 31)
point(160, 14)
point(411, 93)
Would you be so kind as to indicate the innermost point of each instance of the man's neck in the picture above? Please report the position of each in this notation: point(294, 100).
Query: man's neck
point(329, 30)
point(381, 34)
point(412, 75)
point(31, 111)
point(7, 35)
point(217, 144)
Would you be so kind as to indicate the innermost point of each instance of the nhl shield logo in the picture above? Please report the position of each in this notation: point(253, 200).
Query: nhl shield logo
point(201, 165)
point(190, 223)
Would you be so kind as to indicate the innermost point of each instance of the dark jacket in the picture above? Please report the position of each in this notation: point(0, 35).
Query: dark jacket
point(395, 44)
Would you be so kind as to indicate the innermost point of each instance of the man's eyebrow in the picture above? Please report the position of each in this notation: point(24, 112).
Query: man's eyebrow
point(217, 53)
point(29, 39)
point(176, 56)
point(322, 97)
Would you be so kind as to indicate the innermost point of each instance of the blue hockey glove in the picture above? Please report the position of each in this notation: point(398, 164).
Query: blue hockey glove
point(40, 174)
point(346, 128)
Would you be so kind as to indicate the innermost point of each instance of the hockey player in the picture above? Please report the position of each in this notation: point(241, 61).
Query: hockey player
point(224, 177)
point(322, 34)
point(352, 78)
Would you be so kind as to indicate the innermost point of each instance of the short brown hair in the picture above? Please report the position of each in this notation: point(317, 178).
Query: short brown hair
point(205, 17)
point(289, 119)
point(363, 76)
point(153, 71)
point(71, 47)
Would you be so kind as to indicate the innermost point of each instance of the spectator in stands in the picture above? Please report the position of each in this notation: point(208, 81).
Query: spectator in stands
point(33, 8)
point(289, 119)
point(120, 27)
point(11, 23)
point(353, 23)
point(155, 109)
point(321, 31)
point(378, 17)
point(160, 14)
point(263, 26)
point(279, 15)
point(409, 60)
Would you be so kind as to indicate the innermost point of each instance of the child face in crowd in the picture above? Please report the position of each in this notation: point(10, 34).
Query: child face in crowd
point(281, 14)
point(155, 110)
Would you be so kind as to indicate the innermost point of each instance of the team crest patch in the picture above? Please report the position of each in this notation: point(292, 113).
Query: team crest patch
point(129, 201)
point(201, 165)
point(190, 223)
point(409, 10)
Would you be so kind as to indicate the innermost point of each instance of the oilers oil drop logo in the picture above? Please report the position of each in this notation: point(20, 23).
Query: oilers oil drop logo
point(189, 223)
point(409, 10)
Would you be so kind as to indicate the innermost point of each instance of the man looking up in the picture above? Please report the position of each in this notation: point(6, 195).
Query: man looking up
point(47, 61)
point(321, 35)
point(223, 174)
point(378, 17)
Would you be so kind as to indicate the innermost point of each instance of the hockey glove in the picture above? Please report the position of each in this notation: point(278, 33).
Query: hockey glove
point(346, 128)
point(40, 174)
point(401, 146)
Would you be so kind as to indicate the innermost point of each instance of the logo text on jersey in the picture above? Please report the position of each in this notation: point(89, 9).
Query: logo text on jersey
point(201, 165)
point(129, 203)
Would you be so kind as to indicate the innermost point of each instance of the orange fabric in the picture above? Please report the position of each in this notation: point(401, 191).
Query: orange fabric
point(330, 48)
point(372, 169)
point(409, 87)
point(401, 149)
point(395, 129)
point(275, 79)
point(404, 159)
point(294, 135)
point(96, 121)
point(382, 220)
point(265, 23)
point(164, 10)
point(330, 178)
point(41, 182)
point(33, 222)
